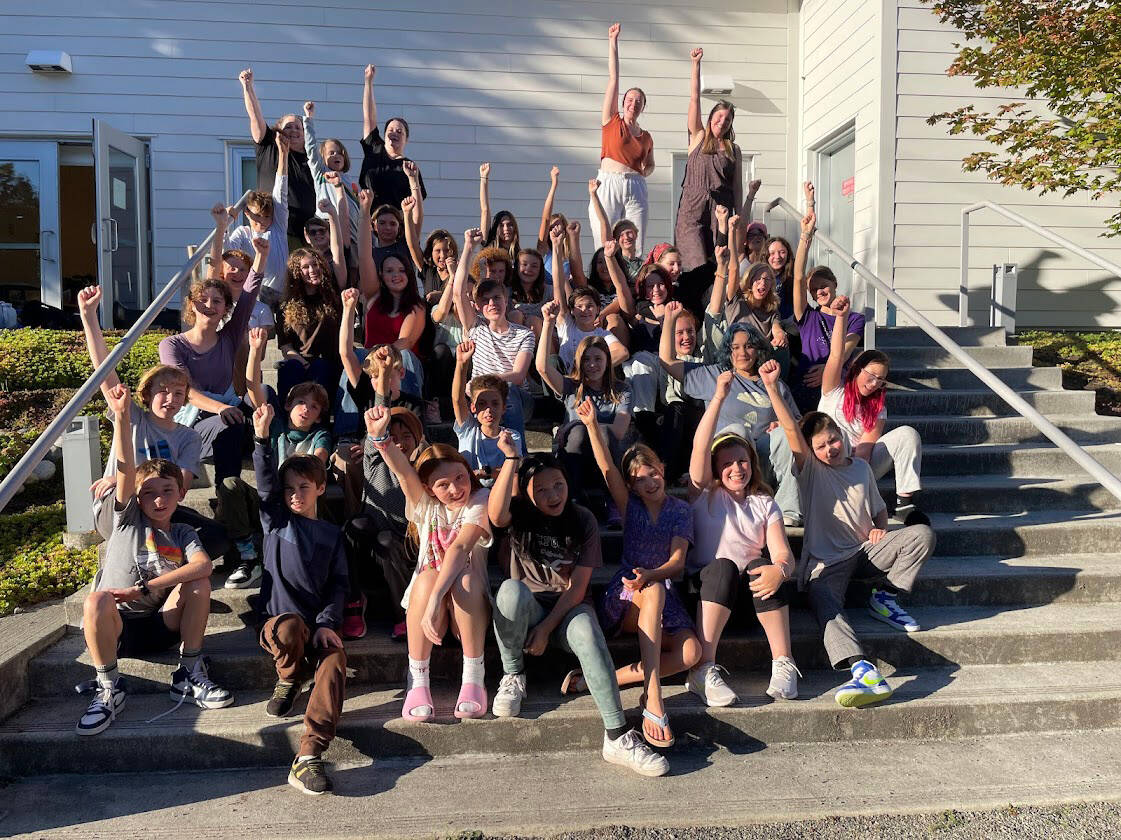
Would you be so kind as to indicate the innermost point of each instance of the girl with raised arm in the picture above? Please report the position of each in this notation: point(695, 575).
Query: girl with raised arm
point(383, 160)
point(846, 537)
point(856, 401)
point(736, 519)
point(641, 598)
point(502, 229)
point(549, 548)
point(331, 156)
point(449, 590)
point(626, 152)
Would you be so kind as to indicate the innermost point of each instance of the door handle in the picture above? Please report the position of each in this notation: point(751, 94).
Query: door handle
point(113, 230)
point(46, 253)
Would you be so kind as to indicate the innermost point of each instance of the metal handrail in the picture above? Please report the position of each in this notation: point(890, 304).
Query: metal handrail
point(1062, 241)
point(1057, 436)
point(89, 388)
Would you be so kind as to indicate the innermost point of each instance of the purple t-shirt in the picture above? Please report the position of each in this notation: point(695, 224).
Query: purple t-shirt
point(213, 371)
point(816, 328)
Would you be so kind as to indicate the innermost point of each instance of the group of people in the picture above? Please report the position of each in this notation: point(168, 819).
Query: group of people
point(724, 337)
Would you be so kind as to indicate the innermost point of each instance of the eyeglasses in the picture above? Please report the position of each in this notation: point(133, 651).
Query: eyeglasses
point(492, 299)
point(878, 381)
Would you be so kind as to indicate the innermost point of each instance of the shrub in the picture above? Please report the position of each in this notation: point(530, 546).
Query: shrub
point(36, 359)
point(34, 564)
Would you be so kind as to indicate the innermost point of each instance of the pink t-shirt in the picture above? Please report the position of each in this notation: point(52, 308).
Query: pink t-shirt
point(724, 527)
point(438, 527)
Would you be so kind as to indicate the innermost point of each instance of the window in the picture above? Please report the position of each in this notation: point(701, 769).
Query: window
point(241, 169)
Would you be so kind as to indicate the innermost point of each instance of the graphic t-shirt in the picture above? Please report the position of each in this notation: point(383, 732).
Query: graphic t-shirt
point(438, 527)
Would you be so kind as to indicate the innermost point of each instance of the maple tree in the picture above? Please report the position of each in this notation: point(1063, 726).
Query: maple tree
point(1066, 53)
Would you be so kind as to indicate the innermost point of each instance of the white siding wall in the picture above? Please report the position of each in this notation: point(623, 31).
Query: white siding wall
point(515, 82)
point(1056, 289)
point(841, 49)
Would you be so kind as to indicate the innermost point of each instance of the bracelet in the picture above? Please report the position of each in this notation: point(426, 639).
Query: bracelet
point(513, 457)
point(381, 439)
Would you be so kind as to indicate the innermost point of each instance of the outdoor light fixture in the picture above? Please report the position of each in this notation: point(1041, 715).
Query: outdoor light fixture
point(49, 61)
point(717, 85)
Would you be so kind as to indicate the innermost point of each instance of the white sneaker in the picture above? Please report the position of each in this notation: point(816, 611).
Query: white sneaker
point(705, 681)
point(508, 699)
point(246, 576)
point(784, 679)
point(197, 687)
point(629, 750)
point(103, 709)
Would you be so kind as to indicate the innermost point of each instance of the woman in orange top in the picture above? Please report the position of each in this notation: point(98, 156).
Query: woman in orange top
point(626, 153)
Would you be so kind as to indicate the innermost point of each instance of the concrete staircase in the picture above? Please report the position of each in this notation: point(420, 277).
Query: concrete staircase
point(1021, 610)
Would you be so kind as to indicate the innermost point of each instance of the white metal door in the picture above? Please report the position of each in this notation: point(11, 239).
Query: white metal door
point(29, 244)
point(121, 173)
point(836, 201)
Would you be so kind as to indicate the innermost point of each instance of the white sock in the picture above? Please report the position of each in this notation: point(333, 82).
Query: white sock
point(300, 758)
point(107, 675)
point(473, 669)
point(418, 672)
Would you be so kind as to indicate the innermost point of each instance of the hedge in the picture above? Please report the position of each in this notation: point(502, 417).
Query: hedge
point(32, 359)
point(34, 564)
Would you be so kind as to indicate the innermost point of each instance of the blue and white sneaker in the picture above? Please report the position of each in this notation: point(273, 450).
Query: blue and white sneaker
point(196, 687)
point(883, 606)
point(866, 687)
point(103, 709)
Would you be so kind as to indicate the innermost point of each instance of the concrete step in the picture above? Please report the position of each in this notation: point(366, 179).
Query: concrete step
point(1006, 494)
point(1021, 379)
point(945, 581)
point(933, 702)
point(1034, 533)
point(1015, 429)
point(1012, 459)
point(936, 357)
point(891, 337)
point(985, 403)
point(930, 780)
point(970, 635)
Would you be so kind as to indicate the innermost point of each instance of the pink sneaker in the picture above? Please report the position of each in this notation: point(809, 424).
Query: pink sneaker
point(354, 619)
point(400, 630)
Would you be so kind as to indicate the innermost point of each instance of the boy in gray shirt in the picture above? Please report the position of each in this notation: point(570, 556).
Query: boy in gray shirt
point(154, 588)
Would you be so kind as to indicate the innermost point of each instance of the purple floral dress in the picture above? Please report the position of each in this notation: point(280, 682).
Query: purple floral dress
point(646, 545)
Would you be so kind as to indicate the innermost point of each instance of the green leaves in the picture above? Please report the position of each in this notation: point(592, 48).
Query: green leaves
point(34, 564)
point(32, 358)
point(1066, 53)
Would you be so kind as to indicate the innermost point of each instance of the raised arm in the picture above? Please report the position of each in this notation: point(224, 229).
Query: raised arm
point(446, 303)
point(546, 369)
point(255, 391)
point(338, 257)
point(89, 301)
point(623, 295)
point(369, 106)
point(693, 121)
point(472, 239)
point(611, 95)
point(412, 172)
point(547, 209)
point(368, 281)
point(769, 372)
point(667, 353)
point(560, 278)
point(377, 427)
point(412, 233)
point(120, 403)
point(615, 484)
point(576, 276)
point(801, 256)
point(221, 217)
point(484, 196)
point(600, 214)
point(835, 364)
point(700, 461)
point(719, 282)
point(460, 407)
point(498, 503)
point(258, 128)
point(749, 199)
point(351, 366)
point(311, 145)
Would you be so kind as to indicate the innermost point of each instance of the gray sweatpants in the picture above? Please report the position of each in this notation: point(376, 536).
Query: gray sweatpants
point(902, 449)
point(896, 559)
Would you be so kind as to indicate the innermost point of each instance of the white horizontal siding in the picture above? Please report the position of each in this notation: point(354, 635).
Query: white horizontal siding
point(1056, 288)
point(515, 82)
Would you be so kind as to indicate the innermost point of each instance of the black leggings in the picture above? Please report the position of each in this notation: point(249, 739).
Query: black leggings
point(721, 583)
point(378, 561)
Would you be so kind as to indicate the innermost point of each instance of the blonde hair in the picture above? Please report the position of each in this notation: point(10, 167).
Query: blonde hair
point(610, 386)
point(711, 141)
point(770, 302)
point(156, 376)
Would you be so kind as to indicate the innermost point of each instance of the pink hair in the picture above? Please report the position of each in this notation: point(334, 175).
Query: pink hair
point(868, 408)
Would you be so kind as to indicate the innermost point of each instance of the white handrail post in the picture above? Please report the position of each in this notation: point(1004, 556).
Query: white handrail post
point(963, 289)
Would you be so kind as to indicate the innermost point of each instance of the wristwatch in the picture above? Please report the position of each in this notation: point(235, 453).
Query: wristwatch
point(142, 585)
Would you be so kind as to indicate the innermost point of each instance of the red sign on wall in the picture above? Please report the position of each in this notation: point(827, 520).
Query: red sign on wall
point(848, 187)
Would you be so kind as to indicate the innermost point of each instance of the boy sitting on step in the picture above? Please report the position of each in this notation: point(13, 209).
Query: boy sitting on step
point(297, 432)
point(154, 588)
point(479, 406)
point(302, 593)
point(846, 537)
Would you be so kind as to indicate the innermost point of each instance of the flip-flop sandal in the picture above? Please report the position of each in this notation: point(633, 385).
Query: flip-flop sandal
point(574, 682)
point(418, 698)
point(471, 694)
point(661, 721)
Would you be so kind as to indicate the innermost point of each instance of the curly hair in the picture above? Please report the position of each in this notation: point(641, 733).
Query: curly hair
point(200, 286)
point(300, 309)
point(493, 254)
point(761, 345)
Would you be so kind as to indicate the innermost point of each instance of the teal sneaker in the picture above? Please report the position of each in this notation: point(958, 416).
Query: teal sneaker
point(866, 687)
point(883, 606)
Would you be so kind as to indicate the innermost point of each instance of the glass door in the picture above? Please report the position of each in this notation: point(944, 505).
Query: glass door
point(29, 244)
point(121, 175)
